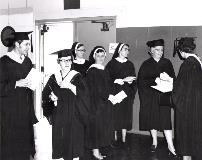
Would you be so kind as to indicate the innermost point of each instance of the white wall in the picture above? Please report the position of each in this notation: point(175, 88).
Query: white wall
point(17, 22)
point(130, 13)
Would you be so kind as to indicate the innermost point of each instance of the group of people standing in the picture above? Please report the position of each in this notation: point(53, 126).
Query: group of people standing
point(90, 105)
point(186, 96)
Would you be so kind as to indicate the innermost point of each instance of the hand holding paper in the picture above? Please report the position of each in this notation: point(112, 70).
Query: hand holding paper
point(23, 83)
point(54, 98)
point(112, 99)
point(118, 98)
point(119, 81)
point(164, 83)
point(129, 79)
point(34, 77)
point(164, 76)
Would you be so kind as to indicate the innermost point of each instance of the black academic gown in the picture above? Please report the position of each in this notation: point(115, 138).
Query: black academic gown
point(187, 96)
point(81, 68)
point(100, 127)
point(17, 111)
point(151, 115)
point(68, 117)
point(123, 112)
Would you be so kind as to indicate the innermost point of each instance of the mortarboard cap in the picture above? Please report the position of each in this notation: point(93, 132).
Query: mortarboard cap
point(154, 43)
point(63, 53)
point(9, 36)
point(21, 35)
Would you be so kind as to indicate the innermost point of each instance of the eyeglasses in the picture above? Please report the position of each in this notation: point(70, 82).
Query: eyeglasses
point(65, 60)
point(81, 50)
point(126, 49)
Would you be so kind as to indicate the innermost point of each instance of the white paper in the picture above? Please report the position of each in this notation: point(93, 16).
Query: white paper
point(120, 96)
point(164, 86)
point(35, 77)
point(129, 79)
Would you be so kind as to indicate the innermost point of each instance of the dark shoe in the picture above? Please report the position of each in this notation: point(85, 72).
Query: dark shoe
point(115, 144)
point(153, 148)
point(173, 156)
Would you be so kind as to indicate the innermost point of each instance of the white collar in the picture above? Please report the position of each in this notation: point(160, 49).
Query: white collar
point(98, 66)
point(197, 58)
point(68, 78)
point(14, 56)
point(79, 61)
point(121, 60)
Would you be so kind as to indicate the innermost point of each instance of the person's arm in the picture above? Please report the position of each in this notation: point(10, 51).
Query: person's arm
point(7, 86)
point(47, 104)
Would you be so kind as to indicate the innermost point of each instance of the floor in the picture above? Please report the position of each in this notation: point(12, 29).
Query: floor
point(137, 148)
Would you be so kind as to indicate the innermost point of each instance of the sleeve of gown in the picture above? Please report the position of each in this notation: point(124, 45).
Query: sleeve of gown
point(6, 86)
point(144, 81)
point(109, 67)
point(171, 70)
point(82, 97)
point(98, 95)
point(184, 84)
point(47, 104)
point(131, 89)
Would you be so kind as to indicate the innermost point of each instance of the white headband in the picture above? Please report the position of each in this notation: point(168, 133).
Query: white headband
point(97, 50)
point(120, 47)
point(77, 45)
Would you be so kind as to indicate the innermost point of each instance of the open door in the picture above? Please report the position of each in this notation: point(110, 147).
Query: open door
point(51, 37)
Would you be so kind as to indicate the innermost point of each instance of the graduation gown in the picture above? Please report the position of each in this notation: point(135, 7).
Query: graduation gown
point(187, 96)
point(99, 130)
point(123, 112)
point(151, 115)
point(68, 117)
point(17, 111)
point(81, 68)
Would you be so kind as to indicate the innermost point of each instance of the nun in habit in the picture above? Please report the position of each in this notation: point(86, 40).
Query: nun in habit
point(154, 117)
point(80, 64)
point(16, 100)
point(65, 99)
point(122, 74)
point(100, 127)
point(187, 97)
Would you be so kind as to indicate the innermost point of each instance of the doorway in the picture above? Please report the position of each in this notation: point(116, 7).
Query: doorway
point(54, 36)
point(50, 37)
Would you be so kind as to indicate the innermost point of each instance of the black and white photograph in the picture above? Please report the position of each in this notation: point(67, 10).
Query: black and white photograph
point(100, 80)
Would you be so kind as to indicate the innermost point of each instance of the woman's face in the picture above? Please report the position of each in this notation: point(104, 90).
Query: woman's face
point(157, 52)
point(80, 52)
point(23, 47)
point(65, 63)
point(99, 57)
point(123, 53)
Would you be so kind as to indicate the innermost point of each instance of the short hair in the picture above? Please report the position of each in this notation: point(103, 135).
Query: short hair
point(186, 44)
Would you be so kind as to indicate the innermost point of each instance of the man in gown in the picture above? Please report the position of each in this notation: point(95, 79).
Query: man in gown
point(16, 101)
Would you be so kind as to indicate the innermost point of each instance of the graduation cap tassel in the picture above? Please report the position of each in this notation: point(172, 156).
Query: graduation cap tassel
point(31, 45)
point(174, 49)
